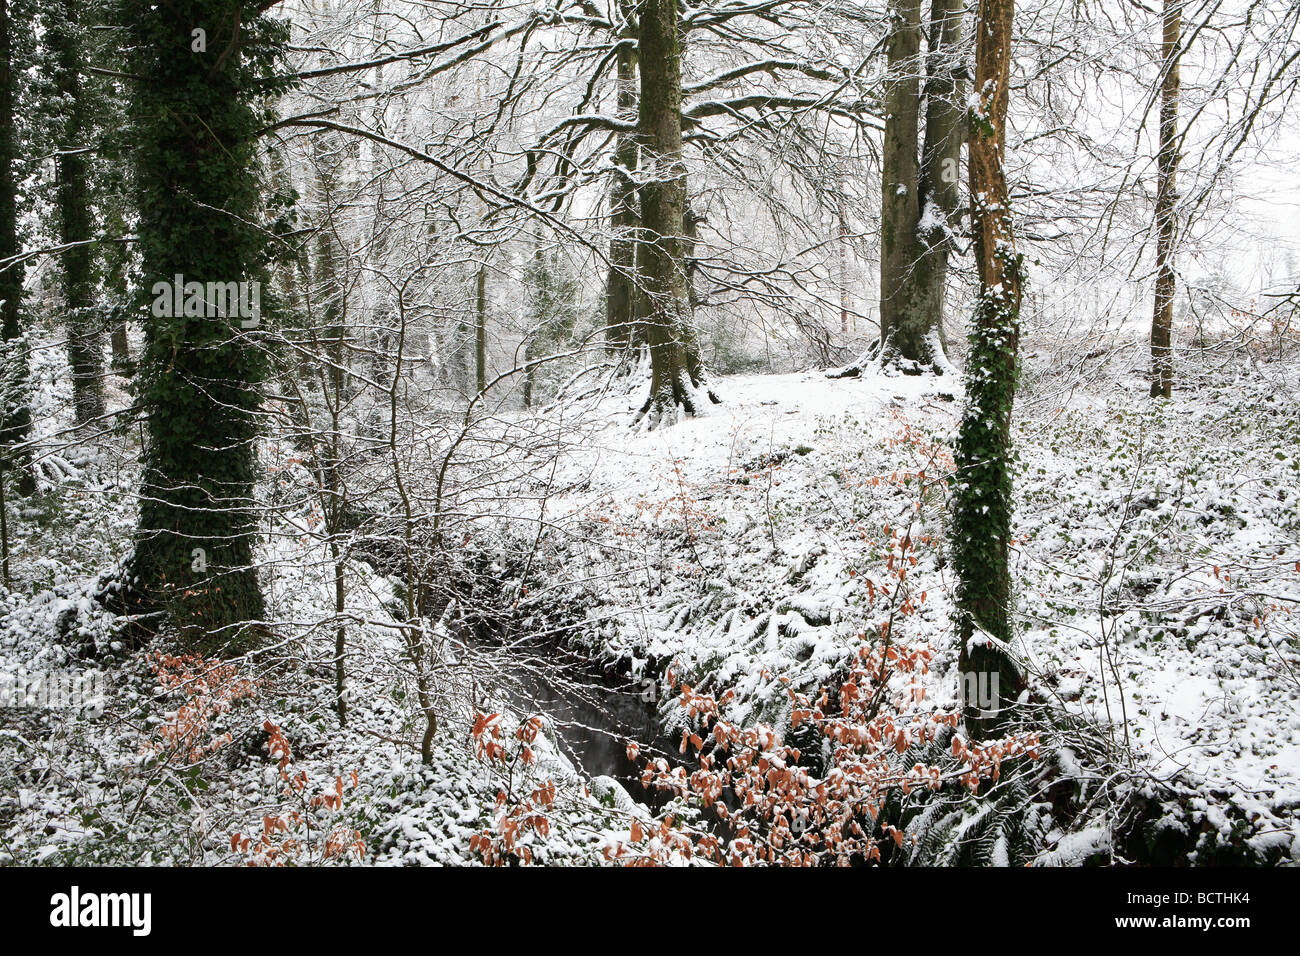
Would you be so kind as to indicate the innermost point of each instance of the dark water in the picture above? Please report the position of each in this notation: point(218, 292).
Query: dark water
point(595, 714)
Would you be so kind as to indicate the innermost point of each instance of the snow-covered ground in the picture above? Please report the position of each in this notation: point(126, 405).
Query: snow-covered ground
point(1156, 558)
point(1157, 567)
point(1187, 512)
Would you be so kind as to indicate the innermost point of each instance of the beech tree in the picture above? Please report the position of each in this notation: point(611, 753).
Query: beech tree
point(620, 286)
point(920, 337)
point(677, 381)
point(919, 173)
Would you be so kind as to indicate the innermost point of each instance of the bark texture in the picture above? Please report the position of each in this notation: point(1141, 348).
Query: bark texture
point(620, 288)
point(900, 208)
point(940, 175)
point(920, 173)
point(15, 418)
point(677, 374)
point(85, 339)
point(480, 329)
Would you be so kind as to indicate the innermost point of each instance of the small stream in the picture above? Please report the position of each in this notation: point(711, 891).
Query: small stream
point(594, 712)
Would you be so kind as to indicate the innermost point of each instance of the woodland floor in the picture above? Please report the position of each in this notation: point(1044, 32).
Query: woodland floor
point(1157, 565)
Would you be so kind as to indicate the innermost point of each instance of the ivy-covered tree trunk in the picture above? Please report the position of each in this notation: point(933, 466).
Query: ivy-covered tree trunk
point(107, 107)
point(677, 380)
point(620, 286)
point(1162, 320)
point(85, 346)
point(195, 116)
point(983, 499)
point(15, 417)
point(114, 207)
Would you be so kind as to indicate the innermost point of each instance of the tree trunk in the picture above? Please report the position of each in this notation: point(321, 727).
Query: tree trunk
point(1162, 367)
point(945, 130)
point(529, 375)
point(5, 579)
point(331, 293)
point(480, 329)
point(120, 349)
point(620, 287)
point(842, 219)
point(83, 328)
point(15, 418)
point(195, 159)
point(677, 374)
point(982, 503)
point(115, 211)
point(918, 194)
point(903, 329)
